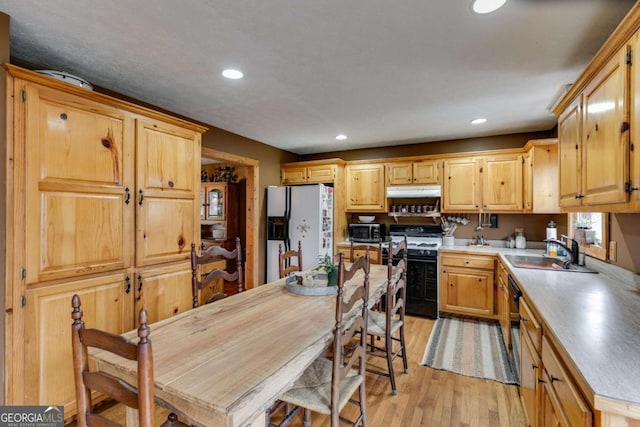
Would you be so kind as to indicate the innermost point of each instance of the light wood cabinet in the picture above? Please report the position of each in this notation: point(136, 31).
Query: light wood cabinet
point(530, 385)
point(78, 184)
point(569, 407)
point(467, 285)
point(311, 172)
point(417, 172)
point(103, 189)
point(540, 186)
point(163, 291)
point(486, 183)
point(502, 183)
point(106, 303)
point(461, 190)
point(364, 187)
point(594, 140)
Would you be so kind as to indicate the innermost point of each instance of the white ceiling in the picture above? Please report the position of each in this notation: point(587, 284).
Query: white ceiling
point(381, 72)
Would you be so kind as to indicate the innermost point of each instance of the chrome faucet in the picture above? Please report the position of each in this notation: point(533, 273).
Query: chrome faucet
point(573, 251)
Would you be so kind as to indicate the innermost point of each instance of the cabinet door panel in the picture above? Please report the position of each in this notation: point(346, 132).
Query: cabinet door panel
point(164, 291)
point(426, 172)
point(166, 159)
point(49, 367)
point(569, 148)
point(399, 173)
point(166, 230)
point(529, 375)
point(293, 175)
point(320, 174)
point(78, 175)
point(78, 234)
point(502, 183)
point(605, 153)
point(461, 185)
point(365, 188)
point(467, 291)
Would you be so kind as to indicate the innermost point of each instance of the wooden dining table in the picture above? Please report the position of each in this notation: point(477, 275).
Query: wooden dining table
point(225, 363)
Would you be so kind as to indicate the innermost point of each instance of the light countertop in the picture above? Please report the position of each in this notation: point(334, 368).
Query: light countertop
point(595, 318)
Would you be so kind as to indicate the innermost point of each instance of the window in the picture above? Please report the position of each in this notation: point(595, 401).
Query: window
point(591, 231)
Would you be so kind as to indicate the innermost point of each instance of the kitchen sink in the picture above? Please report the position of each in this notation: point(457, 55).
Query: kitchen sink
point(545, 263)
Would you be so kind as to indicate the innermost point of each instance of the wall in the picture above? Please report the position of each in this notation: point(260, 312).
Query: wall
point(439, 147)
point(625, 230)
point(269, 173)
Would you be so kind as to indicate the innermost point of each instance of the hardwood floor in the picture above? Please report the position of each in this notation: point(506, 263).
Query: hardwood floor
point(426, 397)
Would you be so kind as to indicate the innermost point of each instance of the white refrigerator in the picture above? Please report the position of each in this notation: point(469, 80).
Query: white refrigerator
point(299, 213)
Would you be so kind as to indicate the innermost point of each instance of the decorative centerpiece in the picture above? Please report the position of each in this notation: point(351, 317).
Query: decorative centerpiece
point(322, 280)
point(330, 267)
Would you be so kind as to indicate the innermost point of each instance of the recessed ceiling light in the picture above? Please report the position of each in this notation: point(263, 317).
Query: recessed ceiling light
point(232, 74)
point(487, 6)
point(341, 137)
point(478, 121)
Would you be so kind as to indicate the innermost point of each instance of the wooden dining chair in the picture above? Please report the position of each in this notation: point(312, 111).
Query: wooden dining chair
point(229, 275)
point(359, 248)
point(389, 324)
point(139, 396)
point(328, 385)
point(285, 267)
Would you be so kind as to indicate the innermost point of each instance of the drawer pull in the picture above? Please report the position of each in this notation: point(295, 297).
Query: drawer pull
point(534, 367)
point(554, 378)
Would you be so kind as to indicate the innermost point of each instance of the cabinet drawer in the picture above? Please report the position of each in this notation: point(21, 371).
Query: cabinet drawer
point(563, 390)
point(484, 263)
point(502, 272)
point(530, 325)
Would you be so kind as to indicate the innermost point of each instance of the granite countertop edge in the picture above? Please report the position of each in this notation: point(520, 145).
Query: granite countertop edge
point(595, 317)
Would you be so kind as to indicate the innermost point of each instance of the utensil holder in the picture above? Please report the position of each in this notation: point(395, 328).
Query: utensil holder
point(448, 240)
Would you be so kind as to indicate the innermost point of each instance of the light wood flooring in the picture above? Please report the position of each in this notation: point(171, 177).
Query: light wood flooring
point(426, 397)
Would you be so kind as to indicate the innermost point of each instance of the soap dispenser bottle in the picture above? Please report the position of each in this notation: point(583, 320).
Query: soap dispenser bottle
point(552, 233)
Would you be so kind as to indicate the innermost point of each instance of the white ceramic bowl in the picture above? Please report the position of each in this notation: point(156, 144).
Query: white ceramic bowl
point(366, 218)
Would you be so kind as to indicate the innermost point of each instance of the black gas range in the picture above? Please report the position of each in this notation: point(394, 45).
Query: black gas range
point(423, 242)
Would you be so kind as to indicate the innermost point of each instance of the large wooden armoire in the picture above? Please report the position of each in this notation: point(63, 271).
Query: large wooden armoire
point(102, 201)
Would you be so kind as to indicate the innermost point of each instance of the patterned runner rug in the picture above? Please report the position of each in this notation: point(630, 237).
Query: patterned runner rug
point(470, 347)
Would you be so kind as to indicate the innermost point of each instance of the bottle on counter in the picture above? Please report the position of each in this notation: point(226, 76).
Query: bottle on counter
point(552, 233)
point(521, 241)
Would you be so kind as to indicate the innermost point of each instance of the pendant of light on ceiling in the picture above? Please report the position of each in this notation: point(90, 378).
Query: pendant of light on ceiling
point(487, 6)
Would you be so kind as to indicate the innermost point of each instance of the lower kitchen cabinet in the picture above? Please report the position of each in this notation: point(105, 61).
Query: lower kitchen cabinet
point(467, 285)
point(530, 386)
point(107, 304)
point(549, 395)
point(569, 407)
point(163, 291)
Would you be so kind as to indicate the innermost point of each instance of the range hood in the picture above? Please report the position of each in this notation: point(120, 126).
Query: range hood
point(413, 191)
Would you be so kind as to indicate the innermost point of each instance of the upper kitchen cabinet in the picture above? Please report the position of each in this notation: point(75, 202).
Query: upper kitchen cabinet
point(413, 172)
point(311, 172)
point(605, 135)
point(491, 182)
point(461, 185)
point(167, 187)
point(594, 128)
point(78, 188)
point(540, 175)
point(364, 187)
point(502, 182)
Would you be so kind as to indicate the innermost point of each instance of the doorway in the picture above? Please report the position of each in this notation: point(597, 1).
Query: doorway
point(250, 212)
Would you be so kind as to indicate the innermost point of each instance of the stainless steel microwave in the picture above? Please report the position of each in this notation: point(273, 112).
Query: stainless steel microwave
point(366, 233)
